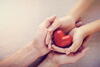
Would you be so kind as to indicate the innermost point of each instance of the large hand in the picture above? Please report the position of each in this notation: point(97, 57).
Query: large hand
point(63, 59)
point(55, 60)
point(41, 35)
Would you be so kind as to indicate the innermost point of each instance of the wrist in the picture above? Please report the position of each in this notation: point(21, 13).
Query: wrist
point(40, 47)
point(71, 17)
point(91, 28)
point(36, 48)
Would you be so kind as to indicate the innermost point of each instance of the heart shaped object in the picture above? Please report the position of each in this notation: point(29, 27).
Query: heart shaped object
point(60, 39)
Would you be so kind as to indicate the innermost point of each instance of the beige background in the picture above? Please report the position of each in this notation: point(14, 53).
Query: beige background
point(20, 18)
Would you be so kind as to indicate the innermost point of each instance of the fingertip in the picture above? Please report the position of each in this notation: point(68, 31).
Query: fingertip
point(49, 47)
point(67, 51)
point(52, 18)
point(53, 46)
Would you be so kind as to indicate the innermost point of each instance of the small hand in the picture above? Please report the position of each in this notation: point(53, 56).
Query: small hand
point(80, 38)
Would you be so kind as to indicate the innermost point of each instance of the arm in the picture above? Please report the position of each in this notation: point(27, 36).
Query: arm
point(91, 28)
point(28, 54)
point(80, 7)
point(22, 57)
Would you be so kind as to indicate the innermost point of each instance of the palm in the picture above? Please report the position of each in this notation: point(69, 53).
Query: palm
point(64, 59)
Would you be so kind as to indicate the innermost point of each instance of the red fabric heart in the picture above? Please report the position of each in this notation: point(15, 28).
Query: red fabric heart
point(60, 39)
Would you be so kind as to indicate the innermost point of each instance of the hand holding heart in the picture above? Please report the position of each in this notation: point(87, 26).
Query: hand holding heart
point(68, 44)
point(61, 40)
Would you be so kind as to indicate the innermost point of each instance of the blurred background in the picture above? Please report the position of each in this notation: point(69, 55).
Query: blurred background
point(20, 18)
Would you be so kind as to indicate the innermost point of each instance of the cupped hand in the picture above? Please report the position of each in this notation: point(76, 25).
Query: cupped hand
point(80, 38)
point(59, 59)
point(41, 33)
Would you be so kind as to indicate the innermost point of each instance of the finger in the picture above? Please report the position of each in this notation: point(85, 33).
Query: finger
point(77, 42)
point(49, 46)
point(48, 38)
point(54, 26)
point(50, 31)
point(75, 46)
point(58, 49)
point(48, 21)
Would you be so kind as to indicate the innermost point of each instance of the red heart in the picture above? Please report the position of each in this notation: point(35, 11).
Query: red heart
point(60, 39)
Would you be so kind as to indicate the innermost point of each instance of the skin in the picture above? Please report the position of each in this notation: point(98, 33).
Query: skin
point(28, 54)
point(68, 22)
point(56, 60)
point(79, 34)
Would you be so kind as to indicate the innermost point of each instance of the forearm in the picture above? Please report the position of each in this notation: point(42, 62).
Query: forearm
point(80, 7)
point(21, 58)
point(92, 27)
point(48, 63)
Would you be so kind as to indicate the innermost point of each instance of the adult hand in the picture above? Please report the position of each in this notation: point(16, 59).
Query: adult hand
point(55, 60)
point(41, 35)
